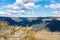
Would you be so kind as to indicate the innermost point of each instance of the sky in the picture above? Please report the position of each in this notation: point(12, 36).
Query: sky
point(30, 8)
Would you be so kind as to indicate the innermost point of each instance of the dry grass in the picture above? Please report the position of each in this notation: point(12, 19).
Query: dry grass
point(46, 35)
point(27, 33)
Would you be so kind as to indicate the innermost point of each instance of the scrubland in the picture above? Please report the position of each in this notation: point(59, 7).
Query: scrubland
point(8, 32)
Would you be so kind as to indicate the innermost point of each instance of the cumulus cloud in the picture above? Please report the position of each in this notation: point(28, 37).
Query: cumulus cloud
point(25, 1)
point(5, 14)
point(22, 11)
point(2, 12)
point(19, 1)
point(56, 9)
point(20, 7)
point(53, 6)
point(55, 14)
point(30, 5)
point(31, 14)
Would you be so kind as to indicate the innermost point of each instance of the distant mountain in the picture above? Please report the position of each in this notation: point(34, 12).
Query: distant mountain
point(39, 22)
point(54, 25)
point(24, 21)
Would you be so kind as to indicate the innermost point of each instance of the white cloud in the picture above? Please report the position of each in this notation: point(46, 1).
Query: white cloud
point(56, 12)
point(46, 6)
point(31, 14)
point(19, 2)
point(24, 1)
point(22, 11)
point(12, 7)
point(2, 12)
point(53, 6)
point(31, 0)
point(16, 7)
point(30, 5)
point(20, 6)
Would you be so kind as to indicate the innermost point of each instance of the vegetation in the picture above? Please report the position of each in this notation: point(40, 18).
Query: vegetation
point(3, 25)
point(26, 33)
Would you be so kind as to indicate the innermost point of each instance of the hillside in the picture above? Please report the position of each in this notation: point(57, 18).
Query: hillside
point(27, 33)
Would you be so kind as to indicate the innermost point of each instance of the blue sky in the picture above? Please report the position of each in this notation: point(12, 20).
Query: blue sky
point(30, 8)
